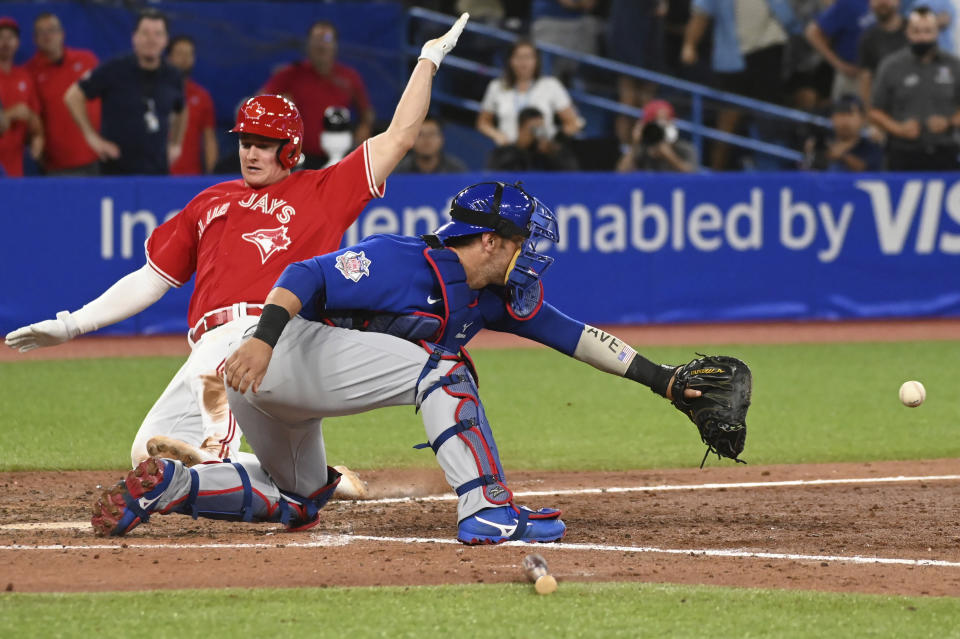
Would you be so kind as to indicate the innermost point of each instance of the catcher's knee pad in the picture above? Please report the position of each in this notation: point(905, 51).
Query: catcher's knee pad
point(225, 491)
point(470, 426)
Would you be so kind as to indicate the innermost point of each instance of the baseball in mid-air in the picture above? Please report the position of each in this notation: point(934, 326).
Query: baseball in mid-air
point(912, 393)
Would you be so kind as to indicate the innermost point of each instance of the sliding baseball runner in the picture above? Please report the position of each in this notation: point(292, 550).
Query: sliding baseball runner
point(238, 237)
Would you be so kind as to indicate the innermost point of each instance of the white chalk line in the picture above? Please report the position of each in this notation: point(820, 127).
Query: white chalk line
point(47, 525)
point(669, 487)
point(66, 525)
point(332, 541)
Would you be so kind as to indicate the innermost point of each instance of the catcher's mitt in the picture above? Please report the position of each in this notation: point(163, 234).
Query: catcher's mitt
point(720, 412)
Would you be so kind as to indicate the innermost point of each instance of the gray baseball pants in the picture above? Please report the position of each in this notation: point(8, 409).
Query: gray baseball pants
point(320, 371)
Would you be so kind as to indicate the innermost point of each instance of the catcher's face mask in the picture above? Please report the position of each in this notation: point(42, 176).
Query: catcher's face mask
point(509, 211)
point(529, 264)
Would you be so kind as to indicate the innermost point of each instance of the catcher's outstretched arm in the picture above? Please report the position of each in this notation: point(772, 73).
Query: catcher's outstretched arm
point(610, 354)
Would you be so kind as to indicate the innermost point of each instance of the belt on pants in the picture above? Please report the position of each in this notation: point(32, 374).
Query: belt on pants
point(221, 316)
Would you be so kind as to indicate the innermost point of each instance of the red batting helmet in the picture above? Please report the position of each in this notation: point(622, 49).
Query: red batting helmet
point(273, 116)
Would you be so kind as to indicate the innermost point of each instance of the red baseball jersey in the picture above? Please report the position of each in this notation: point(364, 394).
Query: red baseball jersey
point(65, 146)
point(16, 87)
point(200, 116)
point(239, 239)
point(313, 93)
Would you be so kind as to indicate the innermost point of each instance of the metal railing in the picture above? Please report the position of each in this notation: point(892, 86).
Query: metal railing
point(698, 92)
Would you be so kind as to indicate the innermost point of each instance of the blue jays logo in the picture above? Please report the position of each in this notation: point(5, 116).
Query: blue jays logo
point(353, 265)
point(269, 241)
point(253, 110)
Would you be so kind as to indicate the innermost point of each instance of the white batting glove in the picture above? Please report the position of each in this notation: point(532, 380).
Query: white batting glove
point(435, 49)
point(45, 333)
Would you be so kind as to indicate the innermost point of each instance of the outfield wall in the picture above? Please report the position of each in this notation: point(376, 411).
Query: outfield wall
point(633, 249)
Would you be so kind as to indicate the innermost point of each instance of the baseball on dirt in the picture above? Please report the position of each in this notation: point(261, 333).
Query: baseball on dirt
point(912, 393)
point(535, 567)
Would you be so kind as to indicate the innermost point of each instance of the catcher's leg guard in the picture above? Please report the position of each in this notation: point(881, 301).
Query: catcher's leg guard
point(454, 398)
point(486, 511)
point(219, 490)
point(240, 492)
point(300, 513)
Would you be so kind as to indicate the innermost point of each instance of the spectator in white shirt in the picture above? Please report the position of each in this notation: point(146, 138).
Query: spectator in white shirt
point(521, 87)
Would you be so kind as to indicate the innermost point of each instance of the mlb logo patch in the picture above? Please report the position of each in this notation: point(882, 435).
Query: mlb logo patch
point(353, 265)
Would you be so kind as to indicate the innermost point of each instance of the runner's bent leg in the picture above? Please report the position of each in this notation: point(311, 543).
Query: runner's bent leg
point(193, 407)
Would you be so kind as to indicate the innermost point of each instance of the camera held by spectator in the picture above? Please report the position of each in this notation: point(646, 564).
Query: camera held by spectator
point(653, 133)
point(656, 143)
point(534, 149)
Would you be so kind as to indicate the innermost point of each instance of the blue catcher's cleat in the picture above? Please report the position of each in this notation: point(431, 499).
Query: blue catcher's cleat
point(511, 523)
point(120, 508)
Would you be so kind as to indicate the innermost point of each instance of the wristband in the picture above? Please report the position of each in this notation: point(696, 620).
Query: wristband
point(436, 49)
point(272, 321)
point(657, 377)
point(70, 323)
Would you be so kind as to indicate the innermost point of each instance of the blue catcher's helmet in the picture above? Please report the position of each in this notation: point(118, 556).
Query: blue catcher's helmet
point(509, 211)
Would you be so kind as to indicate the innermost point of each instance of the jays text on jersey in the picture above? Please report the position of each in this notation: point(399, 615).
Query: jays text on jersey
point(239, 239)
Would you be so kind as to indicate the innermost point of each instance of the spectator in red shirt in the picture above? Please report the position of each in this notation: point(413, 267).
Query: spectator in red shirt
point(19, 119)
point(320, 82)
point(54, 67)
point(200, 152)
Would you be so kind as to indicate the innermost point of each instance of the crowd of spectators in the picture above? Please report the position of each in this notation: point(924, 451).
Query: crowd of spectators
point(883, 71)
point(141, 113)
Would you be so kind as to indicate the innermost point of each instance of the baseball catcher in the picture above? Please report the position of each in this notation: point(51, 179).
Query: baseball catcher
point(384, 323)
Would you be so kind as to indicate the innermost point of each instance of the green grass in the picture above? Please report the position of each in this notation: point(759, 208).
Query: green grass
point(507, 610)
point(811, 403)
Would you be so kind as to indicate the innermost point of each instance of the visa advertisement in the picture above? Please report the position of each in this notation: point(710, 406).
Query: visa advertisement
point(642, 248)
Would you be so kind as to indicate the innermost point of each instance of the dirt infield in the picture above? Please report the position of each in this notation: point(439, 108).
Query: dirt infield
point(813, 534)
point(872, 534)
